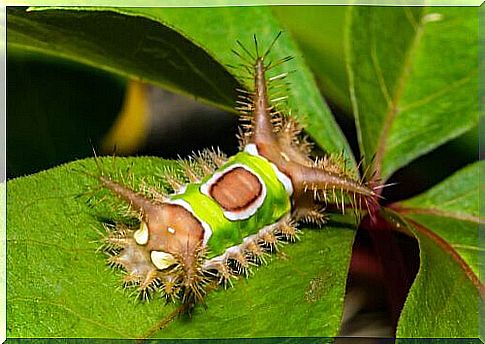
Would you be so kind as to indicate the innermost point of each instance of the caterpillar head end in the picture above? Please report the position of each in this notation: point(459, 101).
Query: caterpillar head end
point(172, 235)
point(164, 254)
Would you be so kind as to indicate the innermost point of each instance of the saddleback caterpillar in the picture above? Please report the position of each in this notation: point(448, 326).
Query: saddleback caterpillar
point(225, 215)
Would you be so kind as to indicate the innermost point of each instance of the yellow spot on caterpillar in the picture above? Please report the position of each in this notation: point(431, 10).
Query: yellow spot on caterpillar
point(162, 260)
point(141, 235)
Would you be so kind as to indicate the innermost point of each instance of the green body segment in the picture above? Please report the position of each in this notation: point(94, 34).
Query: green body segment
point(227, 233)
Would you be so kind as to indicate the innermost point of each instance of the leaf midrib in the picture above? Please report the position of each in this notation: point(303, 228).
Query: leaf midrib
point(438, 212)
point(393, 109)
point(449, 249)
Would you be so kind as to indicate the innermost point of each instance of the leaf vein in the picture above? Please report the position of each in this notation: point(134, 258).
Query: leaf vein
point(430, 97)
point(438, 212)
point(446, 247)
point(393, 109)
point(81, 317)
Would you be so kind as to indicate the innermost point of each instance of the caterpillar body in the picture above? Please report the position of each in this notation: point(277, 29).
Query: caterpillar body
point(228, 214)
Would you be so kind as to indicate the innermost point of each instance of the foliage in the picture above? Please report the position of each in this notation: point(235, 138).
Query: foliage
point(409, 95)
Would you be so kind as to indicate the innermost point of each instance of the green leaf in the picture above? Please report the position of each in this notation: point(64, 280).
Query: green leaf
point(413, 79)
point(59, 286)
point(130, 46)
point(450, 209)
point(182, 49)
point(456, 196)
point(443, 301)
point(319, 32)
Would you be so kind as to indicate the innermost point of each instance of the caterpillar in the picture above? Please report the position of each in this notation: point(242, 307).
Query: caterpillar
point(227, 214)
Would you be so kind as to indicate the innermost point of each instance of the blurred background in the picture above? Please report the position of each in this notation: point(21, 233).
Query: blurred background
point(59, 111)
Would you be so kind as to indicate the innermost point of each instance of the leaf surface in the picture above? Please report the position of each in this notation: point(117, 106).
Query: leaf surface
point(443, 301)
point(187, 50)
point(133, 47)
point(413, 80)
point(59, 286)
point(319, 31)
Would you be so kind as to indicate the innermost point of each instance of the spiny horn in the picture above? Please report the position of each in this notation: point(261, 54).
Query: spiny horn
point(137, 201)
point(321, 179)
point(263, 129)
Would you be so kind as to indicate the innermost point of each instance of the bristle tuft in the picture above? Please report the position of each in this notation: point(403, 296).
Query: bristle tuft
point(217, 157)
point(244, 137)
point(169, 288)
point(336, 164)
point(268, 240)
point(115, 240)
point(190, 169)
point(238, 260)
point(288, 230)
point(173, 178)
point(315, 217)
point(254, 250)
point(291, 132)
point(219, 269)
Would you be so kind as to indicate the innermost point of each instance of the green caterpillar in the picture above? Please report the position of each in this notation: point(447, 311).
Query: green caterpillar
point(232, 212)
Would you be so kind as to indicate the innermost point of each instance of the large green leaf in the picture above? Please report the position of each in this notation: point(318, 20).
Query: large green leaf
point(131, 46)
point(413, 79)
point(443, 301)
point(182, 49)
point(58, 285)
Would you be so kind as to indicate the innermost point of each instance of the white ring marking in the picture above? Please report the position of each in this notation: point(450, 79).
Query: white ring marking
point(252, 208)
point(252, 149)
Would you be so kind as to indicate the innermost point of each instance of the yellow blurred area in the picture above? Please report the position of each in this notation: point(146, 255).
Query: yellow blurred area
point(129, 131)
